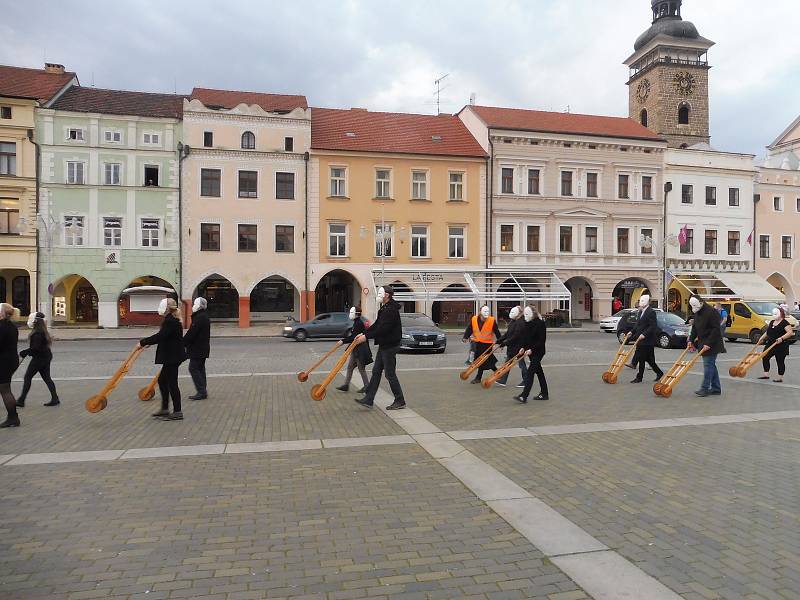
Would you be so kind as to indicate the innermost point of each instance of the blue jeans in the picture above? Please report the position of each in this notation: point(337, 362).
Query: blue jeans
point(710, 374)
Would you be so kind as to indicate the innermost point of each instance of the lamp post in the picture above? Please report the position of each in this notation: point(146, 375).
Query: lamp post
point(48, 224)
point(646, 241)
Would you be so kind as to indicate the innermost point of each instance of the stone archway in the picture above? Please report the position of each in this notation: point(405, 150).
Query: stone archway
point(75, 300)
point(141, 307)
point(581, 298)
point(274, 298)
point(781, 283)
point(221, 295)
point(15, 289)
point(337, 291)
point(455, 312)
point(630, 289)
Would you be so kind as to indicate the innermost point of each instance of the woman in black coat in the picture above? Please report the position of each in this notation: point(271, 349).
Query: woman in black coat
point(534, 344)
point(198, 347)
point(170, 354)
point(41, 357)
point(361, 356)
point(779, 330)
point(9, 361)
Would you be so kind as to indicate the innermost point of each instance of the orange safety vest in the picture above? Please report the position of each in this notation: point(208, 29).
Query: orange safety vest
point(485, 335)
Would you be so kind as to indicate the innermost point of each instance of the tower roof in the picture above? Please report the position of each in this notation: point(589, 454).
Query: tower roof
point(667, 21)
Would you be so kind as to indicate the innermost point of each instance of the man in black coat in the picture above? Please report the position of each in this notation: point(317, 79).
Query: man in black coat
point(512, 340)
point(534, 342)
point(387, 331)
point(646, 333)
point(198, 347)
point(706, 335)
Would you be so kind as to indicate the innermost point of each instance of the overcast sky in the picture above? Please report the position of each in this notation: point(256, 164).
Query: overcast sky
point(386, 54)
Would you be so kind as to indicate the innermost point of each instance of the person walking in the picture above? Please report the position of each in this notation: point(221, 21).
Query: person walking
point(723, 318)
point(483, 331)
point(779, 330)
point(387, 332)
point(41, 355)
point(706, 336)
point(170, 353)
point(616, 305)
point(9, 362)
point(361, 356)
point(512, 340)
point(646, 334)
point(197, 342)
point(534, 345)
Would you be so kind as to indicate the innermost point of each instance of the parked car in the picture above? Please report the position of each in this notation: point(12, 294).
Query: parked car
point(749, 320)
point(673, 330)
point(324, 325)
point(609, 324)
point(421, 333)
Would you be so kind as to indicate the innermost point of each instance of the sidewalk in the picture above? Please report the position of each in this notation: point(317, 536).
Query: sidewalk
point(219, 330)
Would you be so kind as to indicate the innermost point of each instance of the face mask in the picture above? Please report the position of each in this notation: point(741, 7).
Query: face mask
point(381, 294)
point(695, 304)
point(352, 314)
point(199, 304)
point(644, 301)
point(31, 320)
point(776, 313)
point(528, 314)
point(514, 314)
point(162, 307)
point(485, 312)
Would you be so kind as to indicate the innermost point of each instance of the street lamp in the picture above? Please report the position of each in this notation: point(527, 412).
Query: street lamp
point(48, 224)
point(645, 241)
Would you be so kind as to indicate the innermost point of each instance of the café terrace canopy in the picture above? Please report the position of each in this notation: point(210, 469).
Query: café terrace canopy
point(728, 286)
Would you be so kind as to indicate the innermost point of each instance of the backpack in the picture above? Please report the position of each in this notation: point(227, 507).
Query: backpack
point(728, 321)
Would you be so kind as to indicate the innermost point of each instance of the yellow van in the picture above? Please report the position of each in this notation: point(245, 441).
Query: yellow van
point(748, 319)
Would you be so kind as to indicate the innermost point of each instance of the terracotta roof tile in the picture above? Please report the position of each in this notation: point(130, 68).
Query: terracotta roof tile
point(231, 98)
point(553, 122)
point(36, 84)
point(120, 102)
point(364, 131)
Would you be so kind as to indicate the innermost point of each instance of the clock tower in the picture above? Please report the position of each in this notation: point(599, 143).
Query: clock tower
point(668, 84)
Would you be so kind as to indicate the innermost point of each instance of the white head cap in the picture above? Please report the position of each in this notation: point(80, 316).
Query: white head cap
point(162, 307)
point(199, 304)
point(696, 304)
point(644, 301)
point(485, 312)
point(352, 314)
point(514, 313)
point(528, 312)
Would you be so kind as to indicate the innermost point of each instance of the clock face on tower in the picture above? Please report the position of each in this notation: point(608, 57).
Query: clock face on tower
point(684, 83)
point(643, 90)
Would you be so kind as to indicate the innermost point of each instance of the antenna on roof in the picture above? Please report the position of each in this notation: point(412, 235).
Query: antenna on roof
point(438, 84)
point(174, 85)
point(472, 98)
point(567, 111)
point(92, 79)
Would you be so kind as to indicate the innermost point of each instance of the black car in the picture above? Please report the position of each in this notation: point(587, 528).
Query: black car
point(673, 330)
point(421, 333)
point(324, 325)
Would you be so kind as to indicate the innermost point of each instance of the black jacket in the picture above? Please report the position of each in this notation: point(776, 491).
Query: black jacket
point(534, 337)
point(9, 359)
point(169, 338)
point(706, 330)
point(39, 348)
point(387, 329)
point(646, 325)
point(512, 339)
point(198, 339)
point(362, 352)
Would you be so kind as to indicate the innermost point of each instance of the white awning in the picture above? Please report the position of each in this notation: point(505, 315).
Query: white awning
point(729, 286)
point(148, 289)
point(750, 286)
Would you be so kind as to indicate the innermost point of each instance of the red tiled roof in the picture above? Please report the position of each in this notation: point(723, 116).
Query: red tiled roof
point(391, 132)
point(231, 98)
point(120, 102)
point(36, 84)
point(553, 122)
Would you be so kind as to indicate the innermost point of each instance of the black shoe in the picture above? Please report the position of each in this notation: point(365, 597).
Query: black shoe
point(637, 380)
point(161, 413)
point(363, 390)
point(658, 377)
point(521, 399)
point(630, 366)
point(53, 402)
point(20, 403)
point(541, 397)
point(199, 397)
point(10, 422)
point(475, 381)
point(176, 416)
point(702, 393)
point(714, 392)
point(364, 402)
point(343, 388)
point(396, 405)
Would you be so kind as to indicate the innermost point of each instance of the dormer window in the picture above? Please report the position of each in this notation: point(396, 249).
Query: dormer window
point(248, 141)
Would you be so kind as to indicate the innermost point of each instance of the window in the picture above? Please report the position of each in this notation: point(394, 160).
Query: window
point(565, 238)
point(740, 310)
point(210, 182)
point(248, 141)
point(506, 238)
point(643, 117)
point(777, 204)
point(711, 195)
point(533, 181)
point(647, 187)
point(683, 114)
point(75, 172)
point(733, 243)
point(5, 112)
point(687, 194)
point(382, 181)
point(112, 231)
point(647, 233)
point(8, 158)
point(419, 185)
point(456, 187)
point(455, 242)
point(150, 232)
point(337, 239)
point(75, 134)
point(623, 240)
point(786, 246)
point(210, 237)
point(150, 138)
point(566, 183)
point(112, 171)
point(507, 180)
point(733, 196)
point(711, 241)
point(591, 185)
point(113, 137)
point(383, 240)
point(419, 241)
point(151, 175)
point(208, 139)
point(623, 191)
point(73, 231)
point(338, 182)
point(284, 186)
point(797, 204)
point(284, 238)
point(688, 247)
point(591, 240)
point(763, 246)
point(9, 221)
point(248, 238)
point(248, 184)
point(288, 144)
point(533, 238)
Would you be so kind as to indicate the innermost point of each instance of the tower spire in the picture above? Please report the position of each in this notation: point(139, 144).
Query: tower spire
point(666, 9)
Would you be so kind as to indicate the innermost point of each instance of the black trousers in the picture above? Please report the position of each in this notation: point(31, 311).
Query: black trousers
point(780, 360)
point(197, 369)
point(168, 386)
point(41, 366)
point(646, 354)
point(535, 368)
point(385, 361)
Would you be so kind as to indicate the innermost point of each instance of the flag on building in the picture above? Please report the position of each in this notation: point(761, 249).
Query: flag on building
point(683, 235)
point(750, 238)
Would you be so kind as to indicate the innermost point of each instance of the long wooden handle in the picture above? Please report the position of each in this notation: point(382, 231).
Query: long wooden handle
point(504, 368)
point(303, 375)
point(336, 368)
point(768, 350)
point(120, 373)
point(478, 361)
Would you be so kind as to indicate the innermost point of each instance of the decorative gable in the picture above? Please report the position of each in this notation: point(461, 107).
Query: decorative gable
point(582, 213)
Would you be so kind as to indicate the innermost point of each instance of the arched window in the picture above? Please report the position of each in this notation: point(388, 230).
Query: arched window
point(683, 114)
point(643, 117)
point(684, 146)
point(248, 140)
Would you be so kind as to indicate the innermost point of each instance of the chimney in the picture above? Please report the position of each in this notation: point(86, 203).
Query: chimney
point(54, 68)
